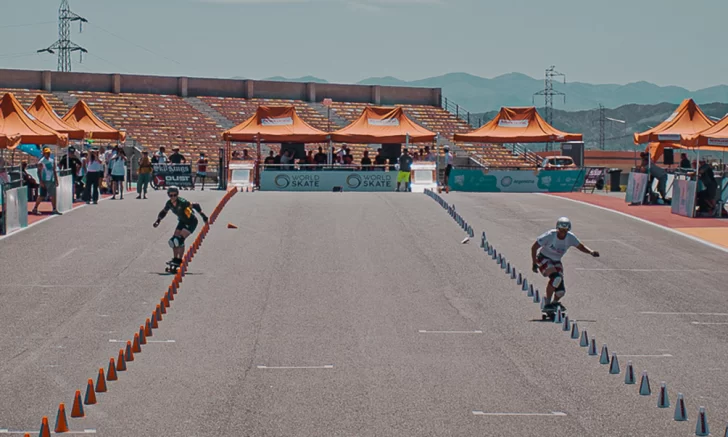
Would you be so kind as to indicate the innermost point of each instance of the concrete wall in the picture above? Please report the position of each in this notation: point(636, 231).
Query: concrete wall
point(56, 81)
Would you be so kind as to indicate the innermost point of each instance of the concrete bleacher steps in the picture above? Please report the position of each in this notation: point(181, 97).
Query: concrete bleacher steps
point(67, 99)
point(336, 121)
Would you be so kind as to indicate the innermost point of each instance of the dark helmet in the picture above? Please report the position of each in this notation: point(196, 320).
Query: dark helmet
point(171, 190)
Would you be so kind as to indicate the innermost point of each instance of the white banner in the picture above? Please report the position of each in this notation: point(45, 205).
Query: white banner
point(513, 123)
point(718, 142)
point(64, 194)
point(283, 121)
point(384, 122)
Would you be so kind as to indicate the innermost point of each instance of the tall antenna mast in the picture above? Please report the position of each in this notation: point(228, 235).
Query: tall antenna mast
point(549, 93)
point(64, 45)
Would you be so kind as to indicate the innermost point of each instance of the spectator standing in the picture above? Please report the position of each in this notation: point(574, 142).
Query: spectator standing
point(684, 161)
point(94, 174)
point(246, 156)
point(145, 175)
point(159, 156)
point(176, 157)
point(28, 180)
point(448, 168)
point(366, 161)
point(202, 170)
point(48, 180)
point(379, 160)
point(405, 167)
point(320, 157)
point(118, 170)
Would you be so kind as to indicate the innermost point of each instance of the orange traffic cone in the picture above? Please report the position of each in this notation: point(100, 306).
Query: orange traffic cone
point(170, 293)
point(231, 226)
point(165, 301)
point(101, 381)
point(155, 325)
point(128, 353)
point(142, 336)
point(77, 410)
point(61, 421)
point(120, 362)
point(136, 347)
point(148, 328)
point(111, 374)
point(159, 313)
point(90, 398)
point(45, 430)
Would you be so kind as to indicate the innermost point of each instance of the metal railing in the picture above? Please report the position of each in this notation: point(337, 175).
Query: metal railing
point(461, 113)
point(529, 156)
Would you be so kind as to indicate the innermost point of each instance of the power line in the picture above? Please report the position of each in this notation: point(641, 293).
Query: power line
point(548, 92)
point(64, 46)
point(26, 24)
point(135, 44)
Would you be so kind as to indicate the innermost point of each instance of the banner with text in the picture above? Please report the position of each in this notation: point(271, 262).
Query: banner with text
point(272, 180)
point(683, 197)
point(636, 189)
point(178, 175)
point(516, 181)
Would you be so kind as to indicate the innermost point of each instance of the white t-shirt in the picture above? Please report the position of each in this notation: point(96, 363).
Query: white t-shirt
point(118, 167)
point(554, 248)
point(48, 167)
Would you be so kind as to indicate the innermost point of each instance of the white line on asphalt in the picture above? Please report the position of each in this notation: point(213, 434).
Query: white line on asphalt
point(553, 413)
point(642, 270)
point(422, 331)
point(686, 314)
point(709, 323)
point(328, 366)
point(68, 253)
point(148, 341)
point(85, 431)
point(664, 228)
point(646, 356)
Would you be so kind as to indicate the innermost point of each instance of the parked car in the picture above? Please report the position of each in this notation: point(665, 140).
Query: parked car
point(558, 163)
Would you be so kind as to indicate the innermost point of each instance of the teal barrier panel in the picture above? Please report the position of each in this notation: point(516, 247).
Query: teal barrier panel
point(274, 180)
point(516, 181)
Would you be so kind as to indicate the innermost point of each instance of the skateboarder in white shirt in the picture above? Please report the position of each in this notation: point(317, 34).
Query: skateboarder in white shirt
point(546, 254)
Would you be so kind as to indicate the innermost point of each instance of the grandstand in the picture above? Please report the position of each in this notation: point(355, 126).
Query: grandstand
point(192, 113)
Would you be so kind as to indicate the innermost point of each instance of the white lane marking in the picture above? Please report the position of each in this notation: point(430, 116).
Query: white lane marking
point(68, 253)
point(686, 314)
point(709, 323)
point(328, 366)
point(553, 413)
point(664, 228)
point(148, 341)
point(422, 331)
point(85, 431)
point(642, 270)
point(646, 356)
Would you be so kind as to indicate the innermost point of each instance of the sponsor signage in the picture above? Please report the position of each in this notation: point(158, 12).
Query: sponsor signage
point(513, 123)
point(636, 188)
point(683, 197)
point(383, 122)
point(668, 137)
point(281, 121)
point(178, 175)
point(516, 181)
point(273, 180)
point(718, 142)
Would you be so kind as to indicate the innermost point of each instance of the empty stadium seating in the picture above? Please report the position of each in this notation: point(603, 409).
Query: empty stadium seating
point(26, 97)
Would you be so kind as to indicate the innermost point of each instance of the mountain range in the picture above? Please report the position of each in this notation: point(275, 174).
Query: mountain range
point(479, 94)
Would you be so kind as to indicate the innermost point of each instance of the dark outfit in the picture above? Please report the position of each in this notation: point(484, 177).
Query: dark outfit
point(183, 211)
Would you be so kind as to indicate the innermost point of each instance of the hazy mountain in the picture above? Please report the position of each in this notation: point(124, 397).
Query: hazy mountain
point(617, 135)
point(304, 79)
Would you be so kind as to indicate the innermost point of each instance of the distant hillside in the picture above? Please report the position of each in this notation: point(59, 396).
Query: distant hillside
point(617, 135)
point(304, 79)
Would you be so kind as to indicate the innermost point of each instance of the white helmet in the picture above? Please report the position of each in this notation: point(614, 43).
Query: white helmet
point(563, 223)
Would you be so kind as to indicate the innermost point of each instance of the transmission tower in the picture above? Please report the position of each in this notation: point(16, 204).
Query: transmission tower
point(602, 123)
point(548, 92)
point(64, 45)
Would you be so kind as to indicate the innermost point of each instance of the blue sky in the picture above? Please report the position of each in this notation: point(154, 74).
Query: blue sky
point(666, 42)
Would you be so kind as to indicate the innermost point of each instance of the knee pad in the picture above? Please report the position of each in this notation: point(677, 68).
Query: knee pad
point(176, 241)
point(557, 281)
point(560, 293)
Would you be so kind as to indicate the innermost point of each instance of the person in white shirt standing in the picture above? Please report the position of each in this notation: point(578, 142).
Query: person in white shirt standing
point(448, 168)
point(48, 179)
point(118, 170)
point(546, 254)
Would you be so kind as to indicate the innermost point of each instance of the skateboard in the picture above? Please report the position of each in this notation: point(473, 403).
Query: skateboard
point(171, 267)
point(550, 313)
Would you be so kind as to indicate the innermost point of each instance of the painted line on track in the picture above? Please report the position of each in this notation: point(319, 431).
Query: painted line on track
point(327, 366)
point(422, 331)
point(709, 323)
point(665, 228)
point(657, 313)
point(647, 356)
point(85, 431)
point(551, 414)
point(148, 341)
point(642, 270)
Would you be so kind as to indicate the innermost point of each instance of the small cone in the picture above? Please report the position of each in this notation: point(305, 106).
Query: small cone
point(574, 331)
point(513, 273)
point(158, 313)
point(604, 357)
point(508, 268)
point(645, 384)
point(701, 427)
point(530, 288)
point(129, 352)
point(77, 410)
point(111, 374)
point(101, 380)
point(231, 226)
point(61, 421)
point(482, 240)
point(525, 284)
point(663, 400)
point(566, 325)
point(559, 316)
point(519, 281)
point(536, 298)
point(614, 365)
point(542, 305)
point(155, 325)
point(593, 347)
point(136, 346)
point(162, 307)
point(148, 328)
point(629, 374)
point(142, 336)
point(90, 397)
point(165, 301)
point(494, 253)
point(45, 430)
point(120, 362)
point(584, 342)
point(170, 294)
point(681, 413)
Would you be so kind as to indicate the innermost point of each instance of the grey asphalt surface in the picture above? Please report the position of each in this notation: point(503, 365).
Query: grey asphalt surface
point(349, 280)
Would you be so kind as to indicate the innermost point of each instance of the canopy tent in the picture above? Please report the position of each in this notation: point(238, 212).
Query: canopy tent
point(15, 121)
point(383, 125)
point(687, 120)
point(81, 117)
point(9, 141)
point(275, 124)
point(517, 125)
point(713, 138)
point(41, 110)
point(656, 149)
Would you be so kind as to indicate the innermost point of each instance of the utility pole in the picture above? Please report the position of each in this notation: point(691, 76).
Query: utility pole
point(548, 92)
point(64, 45)
point(602, 123)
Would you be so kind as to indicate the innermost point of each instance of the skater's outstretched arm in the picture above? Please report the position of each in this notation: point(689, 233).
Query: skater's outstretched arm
point(585, 249)
point(198, 208)
point(162, 214)
point(534, 260)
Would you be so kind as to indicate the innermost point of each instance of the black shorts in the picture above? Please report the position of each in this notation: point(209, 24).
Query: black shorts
point(448, 169)
point(189, 225)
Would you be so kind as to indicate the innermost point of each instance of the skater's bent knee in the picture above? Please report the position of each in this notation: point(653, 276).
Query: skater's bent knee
point(176, 241)
point(557, 281)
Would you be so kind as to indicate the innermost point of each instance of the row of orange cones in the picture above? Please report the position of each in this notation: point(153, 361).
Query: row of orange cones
point(140, 338)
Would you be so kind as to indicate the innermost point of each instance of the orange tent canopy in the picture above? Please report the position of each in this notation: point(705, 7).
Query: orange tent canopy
point(656, 149)
point(41, 110)
point(9, 141)
point(712, 138)
point(687, 120)
point(15, 121)
point(81, 117)
point(517, 125)
point(275, 124)
point(378, 124)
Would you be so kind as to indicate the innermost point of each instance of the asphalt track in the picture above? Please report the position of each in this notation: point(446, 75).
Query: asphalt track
point(307, 320)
